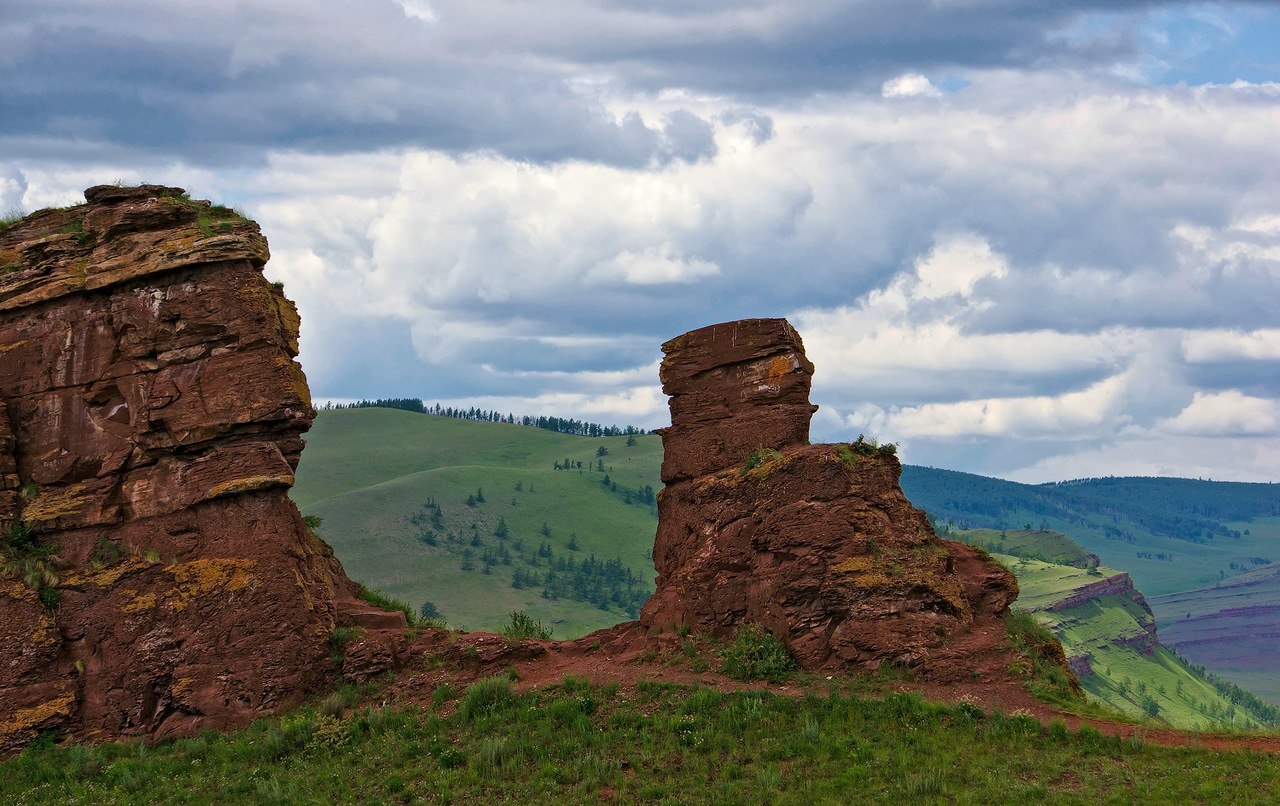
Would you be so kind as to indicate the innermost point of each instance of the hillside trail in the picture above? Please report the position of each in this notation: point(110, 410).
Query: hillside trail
point(974, 669)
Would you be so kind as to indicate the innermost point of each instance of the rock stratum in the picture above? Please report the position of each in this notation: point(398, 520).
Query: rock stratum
point(816, 543)
point(156, 579)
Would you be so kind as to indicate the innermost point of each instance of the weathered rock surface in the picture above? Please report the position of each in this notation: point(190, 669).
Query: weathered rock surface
point(156, 577)
point(817, 543)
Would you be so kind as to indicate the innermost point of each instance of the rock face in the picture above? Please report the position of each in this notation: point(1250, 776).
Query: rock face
point(816, 543)
point(156, 577)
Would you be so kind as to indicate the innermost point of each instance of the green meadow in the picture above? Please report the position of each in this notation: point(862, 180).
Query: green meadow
point(415, 504)
point(580, 743)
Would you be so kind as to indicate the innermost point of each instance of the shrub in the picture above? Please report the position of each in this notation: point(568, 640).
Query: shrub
point(338, 640)
point(867, 446)
point(522, 625)
point(757, 655)
point(486, 697)
point(758, 457)
point(106, 554)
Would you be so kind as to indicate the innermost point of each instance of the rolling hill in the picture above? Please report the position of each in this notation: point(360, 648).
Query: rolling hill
point(1232, 627)
point(415, 506)
point(1109, 634)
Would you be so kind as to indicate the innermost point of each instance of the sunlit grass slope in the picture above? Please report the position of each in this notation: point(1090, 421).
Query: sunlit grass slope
point(414, 506)
point(1128, 673)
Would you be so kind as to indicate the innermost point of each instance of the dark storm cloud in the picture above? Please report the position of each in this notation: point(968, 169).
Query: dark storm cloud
point(246, 81)
point(218, 83)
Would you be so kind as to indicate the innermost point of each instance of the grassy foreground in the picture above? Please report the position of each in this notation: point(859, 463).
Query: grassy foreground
point(575, 743)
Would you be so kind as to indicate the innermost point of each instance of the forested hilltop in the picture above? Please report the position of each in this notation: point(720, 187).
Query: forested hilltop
point(1171, 534)
point(560, 425)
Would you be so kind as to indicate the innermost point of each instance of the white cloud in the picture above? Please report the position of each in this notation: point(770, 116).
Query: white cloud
point(1207, 346)
point(1160, 455)
point(654, 265)
point(1041, 267)
point(419, 10)
point(909, 85)
point(1227, 413)
point(1074, 415)
point(955, 265)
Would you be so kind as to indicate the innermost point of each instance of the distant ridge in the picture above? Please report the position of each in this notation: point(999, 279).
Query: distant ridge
point(560, 425)
point(1171, 534)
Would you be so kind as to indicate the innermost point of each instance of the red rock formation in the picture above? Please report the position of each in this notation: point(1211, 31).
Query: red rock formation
point(157, 579)
point(817, 543)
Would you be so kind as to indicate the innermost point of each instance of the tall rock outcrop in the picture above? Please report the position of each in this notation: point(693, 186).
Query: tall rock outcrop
point(817, 543)
point(156, 579)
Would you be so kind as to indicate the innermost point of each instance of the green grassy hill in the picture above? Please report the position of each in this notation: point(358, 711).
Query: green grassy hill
point(1168, 534)
point(1109, 634)
point(399, 495)
point(583, 743)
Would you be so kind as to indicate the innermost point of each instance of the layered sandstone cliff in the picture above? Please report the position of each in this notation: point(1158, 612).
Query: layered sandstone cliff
point(156, 579)
point(817, 543)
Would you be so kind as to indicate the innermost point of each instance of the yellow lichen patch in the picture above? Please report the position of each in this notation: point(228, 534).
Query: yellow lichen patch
point(853, 565)
point(249, 484)
point(181, 686)
point(290, 322)
point(4, 348)
point(200, 577)
point(307, 599)
point(78, 274)
point(779, 365)
point(52, 504)
point(297, 380)
point(16, 590)
point(874, 579)
point(28, 719)
point(106, 577)
point(257, 296)
point(138, 601)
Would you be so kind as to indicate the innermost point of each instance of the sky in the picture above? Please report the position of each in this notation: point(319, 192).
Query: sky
point(1031, 240)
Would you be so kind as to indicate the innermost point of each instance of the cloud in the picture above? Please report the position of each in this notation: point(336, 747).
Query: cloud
point(653, 266)
point(909, 85)
point(1003, 245)
point(1228, 413)
point(219, 83)
point(1207, 346)
point(955, 265)
point(1064, 416)
point(13, 186)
